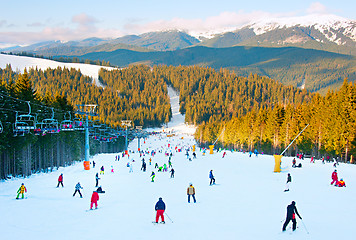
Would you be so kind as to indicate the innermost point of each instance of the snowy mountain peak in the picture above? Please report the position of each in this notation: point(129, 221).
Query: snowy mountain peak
point(331, 26)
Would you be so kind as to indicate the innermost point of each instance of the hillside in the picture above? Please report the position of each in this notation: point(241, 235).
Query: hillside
point(291, 66)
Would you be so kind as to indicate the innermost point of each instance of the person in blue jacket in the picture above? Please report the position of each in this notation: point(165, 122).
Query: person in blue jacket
point(211, 176)
point(160, 207)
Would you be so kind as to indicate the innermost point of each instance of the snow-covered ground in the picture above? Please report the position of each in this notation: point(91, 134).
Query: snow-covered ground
point(248, 201)
point(19, 63)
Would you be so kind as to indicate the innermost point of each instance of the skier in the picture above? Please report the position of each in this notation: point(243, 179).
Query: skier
point(291, 211)
point(150, 161)
point(191, 192)
point(77, 189)
point(143, 168)
point(21, 191)
point(94, 200)
point(289, 180)
point(102, 170)
point(112, 169)
point(164, 167)
point(211, 176)
point(97, 179)
point(172, 173)
point(100, 190)
point(334, 177)
point(223, 154)
point(156, 165)
point(60, 180)
point(256, 152)
point(194, 155)
point(169, 163)
point(153, 175)
point(250, 153)
point(93, 164)
point(294, 162)
point(160, 207)
point(340, 183)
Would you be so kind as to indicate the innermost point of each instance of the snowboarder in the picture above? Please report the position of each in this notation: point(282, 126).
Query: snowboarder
point(334, 177)
point(94, 200)
point(172, 173)
point(289, 180)
point(97, 179)
point(340, 183)
point(160, 207)
point(191, 192)
point(102, 170)
point(21, 191)
point(291, 211)
point(60, 180)
point(153, 175)
point(77, 189)
point(100, 190)
point(211, 176)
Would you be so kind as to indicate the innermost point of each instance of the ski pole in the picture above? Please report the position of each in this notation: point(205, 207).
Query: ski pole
point(304, 226)
point(168, 217)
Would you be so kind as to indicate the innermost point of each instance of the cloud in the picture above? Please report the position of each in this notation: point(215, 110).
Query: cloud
point(317, 7)
point(225, 20)
point(84, 19)
point(35, 24)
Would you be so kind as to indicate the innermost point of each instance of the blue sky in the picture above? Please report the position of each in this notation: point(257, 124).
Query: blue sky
point(25, 22)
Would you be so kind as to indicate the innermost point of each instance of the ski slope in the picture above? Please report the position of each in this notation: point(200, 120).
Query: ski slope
point(19, 63)
point(248, 201)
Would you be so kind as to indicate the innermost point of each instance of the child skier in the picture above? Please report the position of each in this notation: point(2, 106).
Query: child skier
point(291, 211)
point(153, 175)
point(77, 189)
point(94, 200)
point(289, 180)
point(340, 183)
point(60, 180)
point(191, 192)
point(160, 207)
point(21, 191)
point(211, 176)
point(334, 177)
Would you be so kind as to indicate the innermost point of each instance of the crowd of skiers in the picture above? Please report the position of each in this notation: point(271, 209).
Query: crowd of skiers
point(160, 206)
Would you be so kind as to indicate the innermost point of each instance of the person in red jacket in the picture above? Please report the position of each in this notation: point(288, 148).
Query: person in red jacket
point(60, 180)
point(94, 200)
point(340, 183)
point(334, 177)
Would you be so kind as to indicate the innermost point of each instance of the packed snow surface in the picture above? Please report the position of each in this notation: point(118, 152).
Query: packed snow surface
point(19, 63)
point(247, 202)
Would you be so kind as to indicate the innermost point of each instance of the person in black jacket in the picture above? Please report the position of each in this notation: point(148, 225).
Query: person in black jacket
point(160, 207)
point(289, 180)
point(291, 211)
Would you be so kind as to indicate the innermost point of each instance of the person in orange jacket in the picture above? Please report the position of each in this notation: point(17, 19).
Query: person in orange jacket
point(334, 177)
point(340, 183)
point(60, 180)
point(21, 190)
point(94, 200)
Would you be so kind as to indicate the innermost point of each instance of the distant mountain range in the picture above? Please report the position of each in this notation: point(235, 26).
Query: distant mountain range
point(260, 47)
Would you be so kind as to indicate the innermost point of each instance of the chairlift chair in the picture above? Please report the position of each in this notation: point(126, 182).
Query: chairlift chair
point(67, 124)
point(79, 124)
point(25, 121)
point(49, 125)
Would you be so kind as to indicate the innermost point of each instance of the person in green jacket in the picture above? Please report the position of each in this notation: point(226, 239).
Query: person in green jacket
point(153, 175)
point(21, 190)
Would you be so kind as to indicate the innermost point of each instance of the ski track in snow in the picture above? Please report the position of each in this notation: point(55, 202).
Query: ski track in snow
point(19, 63)
point(248, 201)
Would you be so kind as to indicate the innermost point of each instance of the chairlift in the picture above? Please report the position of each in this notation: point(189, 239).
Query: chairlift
point(25, 121)
point(48, 125)
point(67, 124)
